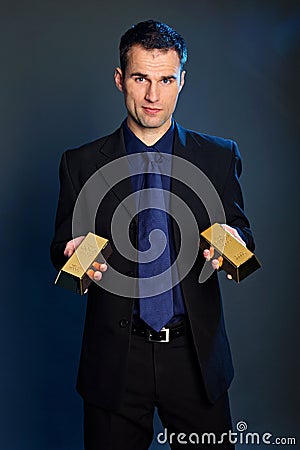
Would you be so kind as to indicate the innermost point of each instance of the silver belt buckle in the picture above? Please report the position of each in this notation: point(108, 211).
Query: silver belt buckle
point(165, 330)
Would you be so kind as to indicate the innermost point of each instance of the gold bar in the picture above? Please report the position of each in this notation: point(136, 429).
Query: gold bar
point(73, 275)
point(237, 260)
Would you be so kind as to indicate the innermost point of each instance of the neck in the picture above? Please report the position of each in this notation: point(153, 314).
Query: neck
point(149, 136)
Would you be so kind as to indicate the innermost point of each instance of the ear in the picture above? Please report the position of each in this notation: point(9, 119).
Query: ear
point(182, 79)
point(118, 76)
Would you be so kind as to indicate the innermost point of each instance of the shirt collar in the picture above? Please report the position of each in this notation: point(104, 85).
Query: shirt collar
point(135, 145)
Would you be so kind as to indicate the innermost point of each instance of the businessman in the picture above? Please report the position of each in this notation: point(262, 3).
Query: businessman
point(165, 347)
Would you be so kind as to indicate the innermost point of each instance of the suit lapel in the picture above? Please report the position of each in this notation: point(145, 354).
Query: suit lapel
point(113, 151)
point(184, 147)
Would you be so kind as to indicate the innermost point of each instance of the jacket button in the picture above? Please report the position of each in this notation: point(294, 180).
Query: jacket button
point(129, 273)
point(124, 323)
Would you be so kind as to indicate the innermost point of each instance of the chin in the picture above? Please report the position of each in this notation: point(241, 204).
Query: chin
point(153, 123)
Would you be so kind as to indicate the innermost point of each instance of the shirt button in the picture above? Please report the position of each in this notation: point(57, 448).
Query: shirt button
point(124, 323)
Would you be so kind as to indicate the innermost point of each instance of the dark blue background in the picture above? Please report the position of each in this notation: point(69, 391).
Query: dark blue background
point(57, 92)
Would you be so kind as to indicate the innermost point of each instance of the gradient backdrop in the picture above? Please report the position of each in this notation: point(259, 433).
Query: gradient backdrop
point(57, 92)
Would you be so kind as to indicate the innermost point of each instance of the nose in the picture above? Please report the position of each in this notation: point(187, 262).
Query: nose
point(152, 93)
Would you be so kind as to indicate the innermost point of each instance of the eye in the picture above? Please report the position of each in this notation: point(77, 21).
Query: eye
point(140, 79)
point(166, 81)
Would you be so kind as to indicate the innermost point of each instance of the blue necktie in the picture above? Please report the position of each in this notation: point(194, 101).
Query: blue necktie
point(155, 310)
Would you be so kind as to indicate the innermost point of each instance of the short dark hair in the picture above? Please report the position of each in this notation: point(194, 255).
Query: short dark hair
point(151, 34)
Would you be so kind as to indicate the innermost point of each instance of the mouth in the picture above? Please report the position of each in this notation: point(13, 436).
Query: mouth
point(151, 111)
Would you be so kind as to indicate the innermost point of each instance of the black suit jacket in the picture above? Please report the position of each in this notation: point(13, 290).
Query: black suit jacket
point(106, 338)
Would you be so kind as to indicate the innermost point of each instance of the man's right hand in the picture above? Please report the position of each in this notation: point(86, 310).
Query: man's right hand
point(99, 268)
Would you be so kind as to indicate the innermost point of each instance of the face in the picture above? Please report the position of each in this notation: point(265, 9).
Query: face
point(150, 86)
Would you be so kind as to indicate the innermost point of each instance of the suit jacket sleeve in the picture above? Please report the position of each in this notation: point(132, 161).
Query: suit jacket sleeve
point(232, 199)
point(63, 221)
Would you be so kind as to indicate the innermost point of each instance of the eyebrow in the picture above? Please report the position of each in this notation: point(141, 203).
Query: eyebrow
point(144, 75)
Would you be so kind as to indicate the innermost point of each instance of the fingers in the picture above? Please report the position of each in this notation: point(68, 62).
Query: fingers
point(234, 233)
point(69, 249)
point(72, 245)
point(96, 274)
point(100, 266)
point(208, 254)
point(217, 263)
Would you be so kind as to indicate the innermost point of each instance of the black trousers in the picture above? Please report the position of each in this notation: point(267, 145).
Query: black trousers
point(165, 375)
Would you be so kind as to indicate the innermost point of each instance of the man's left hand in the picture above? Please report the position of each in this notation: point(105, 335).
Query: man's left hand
point(209, 254)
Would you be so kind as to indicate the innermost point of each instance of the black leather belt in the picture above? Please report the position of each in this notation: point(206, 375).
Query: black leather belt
point(164, 335)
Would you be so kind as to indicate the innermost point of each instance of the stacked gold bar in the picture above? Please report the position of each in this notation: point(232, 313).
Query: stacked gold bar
point(236, 260)
point(73, 275)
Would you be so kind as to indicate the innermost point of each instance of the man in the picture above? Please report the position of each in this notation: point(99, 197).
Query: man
point(166, 349)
